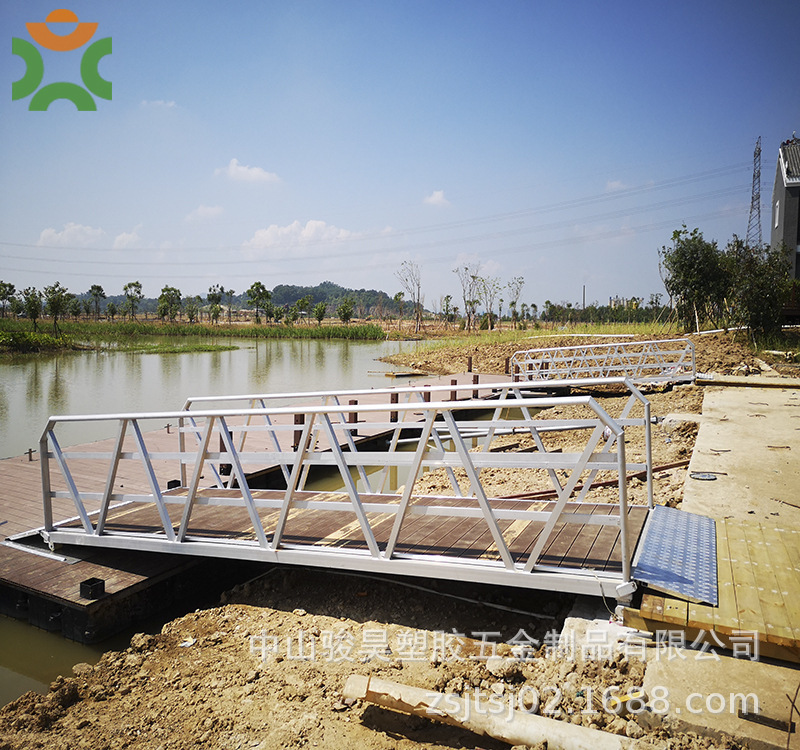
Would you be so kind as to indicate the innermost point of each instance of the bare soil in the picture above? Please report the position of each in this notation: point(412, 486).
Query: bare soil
point(722, 353)
point(266, 668)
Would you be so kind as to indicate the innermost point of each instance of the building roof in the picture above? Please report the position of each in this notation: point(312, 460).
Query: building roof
point(790, 161)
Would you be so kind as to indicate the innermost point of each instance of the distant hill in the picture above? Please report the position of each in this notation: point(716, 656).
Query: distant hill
point(367, 302)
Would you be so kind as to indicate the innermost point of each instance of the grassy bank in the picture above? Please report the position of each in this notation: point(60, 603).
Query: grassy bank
point(25, 342)
point(130, 329)
point(17, 335)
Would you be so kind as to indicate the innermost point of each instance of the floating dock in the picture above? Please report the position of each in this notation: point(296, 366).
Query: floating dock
point(43, 587)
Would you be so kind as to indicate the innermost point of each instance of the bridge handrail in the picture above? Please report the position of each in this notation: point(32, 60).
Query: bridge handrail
point(655, 361)
point(504, 388)
point(326, 440)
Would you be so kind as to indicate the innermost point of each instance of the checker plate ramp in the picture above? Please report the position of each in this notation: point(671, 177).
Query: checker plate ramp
point(678, 555)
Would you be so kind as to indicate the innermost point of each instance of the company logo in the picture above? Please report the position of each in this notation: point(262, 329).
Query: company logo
point(93, 83)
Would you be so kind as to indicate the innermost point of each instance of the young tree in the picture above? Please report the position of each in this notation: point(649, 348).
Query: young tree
point(257, 297)
point(761, 284)
point(229, 296)
point(320, 310)
point(86, 304)
point(304, 305)
point(32, 304)
point(514, 292)
point(97, 295)
point(409, 277)
point(696, 277)
point(75, 308)
point(191, 306)
point(7, 292)
point(133, 296)
point(169, 303)
point(398, 300)
point(345, 310)
point(15, 307)
point(56, 303)
point(291, 313)
point(214, 298)
point(468, 276)
point(111, 310)
point(447, 309)
point(488, 289)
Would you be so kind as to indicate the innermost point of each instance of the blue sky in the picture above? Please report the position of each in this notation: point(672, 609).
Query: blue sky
point(294, 142)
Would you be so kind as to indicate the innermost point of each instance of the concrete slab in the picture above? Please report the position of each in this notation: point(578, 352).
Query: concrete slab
point(749, 439)
point(748, 381)
point(704, 696)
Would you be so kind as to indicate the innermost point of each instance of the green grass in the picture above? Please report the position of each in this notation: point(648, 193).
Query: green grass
point(535, 338)
point(169, 348)
point(25, 342)
point(126, 331)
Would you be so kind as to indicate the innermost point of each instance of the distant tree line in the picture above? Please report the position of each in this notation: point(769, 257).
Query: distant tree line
point(632, 310)
point(284, 304)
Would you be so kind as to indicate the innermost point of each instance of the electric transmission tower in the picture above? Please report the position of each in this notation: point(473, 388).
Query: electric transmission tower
point(754, 222)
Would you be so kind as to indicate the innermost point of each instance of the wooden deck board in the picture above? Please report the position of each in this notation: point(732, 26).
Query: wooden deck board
point(758, 577)
point(572, 544)
point(484, 546)
point(745, 586)
point(786, 574)
point(726, 614)
point(774, 612)
point(578, 553)
point(675, 612)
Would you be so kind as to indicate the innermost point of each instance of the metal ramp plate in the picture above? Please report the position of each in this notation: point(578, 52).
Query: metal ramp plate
point(678, 555)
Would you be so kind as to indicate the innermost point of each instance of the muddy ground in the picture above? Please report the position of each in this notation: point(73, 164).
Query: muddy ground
point(266, 668)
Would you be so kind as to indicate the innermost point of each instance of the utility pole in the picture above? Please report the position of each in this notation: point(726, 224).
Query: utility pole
point(754, 222)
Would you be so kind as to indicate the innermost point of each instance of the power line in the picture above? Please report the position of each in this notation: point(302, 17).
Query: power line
point(429, 245)
point(527, 247)
point(491, 218)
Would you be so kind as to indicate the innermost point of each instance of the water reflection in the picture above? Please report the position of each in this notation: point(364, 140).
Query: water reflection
point(56, 390)
point(34, 388)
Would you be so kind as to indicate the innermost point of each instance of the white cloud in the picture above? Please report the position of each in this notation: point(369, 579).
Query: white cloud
point(204, 212)
point(296, 235)
point(127, 239)
point(436, 198)
point(613, 185)
point(160, 103)
point(72, 235)
point(242, 173)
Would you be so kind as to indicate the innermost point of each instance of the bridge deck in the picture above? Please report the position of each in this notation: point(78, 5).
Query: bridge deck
point(128, 518)
point(570, 545)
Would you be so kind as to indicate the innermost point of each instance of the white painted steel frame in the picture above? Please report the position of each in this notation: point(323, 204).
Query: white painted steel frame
point(330, 421)
point(669, 360)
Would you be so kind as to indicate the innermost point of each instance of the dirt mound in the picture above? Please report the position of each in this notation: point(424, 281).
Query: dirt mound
point(269, 673)
point(717, 352)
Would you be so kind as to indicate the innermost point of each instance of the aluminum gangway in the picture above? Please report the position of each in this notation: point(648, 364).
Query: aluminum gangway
point(198, 499)
point(659, 361)
point(413, 393)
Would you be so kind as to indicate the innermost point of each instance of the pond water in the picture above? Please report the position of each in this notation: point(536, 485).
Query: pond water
point(32, 388)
